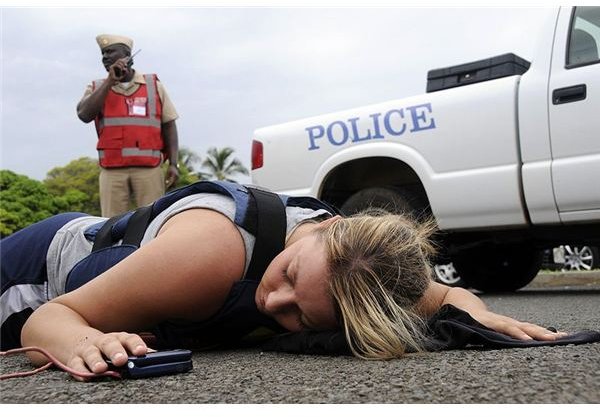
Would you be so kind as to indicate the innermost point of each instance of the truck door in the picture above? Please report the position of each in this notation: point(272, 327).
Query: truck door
point(574, 110)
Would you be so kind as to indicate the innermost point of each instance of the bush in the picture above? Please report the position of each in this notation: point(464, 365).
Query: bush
point(23, 201)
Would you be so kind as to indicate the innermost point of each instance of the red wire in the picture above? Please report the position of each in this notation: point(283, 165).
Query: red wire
point(27, 373)
point(53, 361)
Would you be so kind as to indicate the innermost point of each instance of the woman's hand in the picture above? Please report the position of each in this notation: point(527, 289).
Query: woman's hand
point(514, 328)
point(90, 355)
point(438, 295)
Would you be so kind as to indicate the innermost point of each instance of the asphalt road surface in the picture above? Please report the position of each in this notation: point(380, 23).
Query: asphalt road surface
point(563, 374)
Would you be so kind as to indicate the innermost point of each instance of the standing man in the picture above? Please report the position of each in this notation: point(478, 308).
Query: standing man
point(135, 123)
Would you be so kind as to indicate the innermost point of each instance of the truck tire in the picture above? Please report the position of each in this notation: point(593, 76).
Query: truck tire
point(394, 200)
point(402, 201)
point(498, 268)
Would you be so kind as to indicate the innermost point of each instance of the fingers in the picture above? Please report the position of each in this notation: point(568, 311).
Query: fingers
point(526, 331)
point(533, 331)
point(78, 364)
point(114, 346)
point(172, 177)
point(118, 70)
point(517, 329)
point(529, 331)
point(133, 343)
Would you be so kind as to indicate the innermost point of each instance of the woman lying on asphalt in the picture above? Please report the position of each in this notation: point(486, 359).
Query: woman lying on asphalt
point(368, 274)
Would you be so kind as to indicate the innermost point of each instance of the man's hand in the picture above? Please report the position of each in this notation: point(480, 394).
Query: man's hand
point(172, 176)
point(119, 70)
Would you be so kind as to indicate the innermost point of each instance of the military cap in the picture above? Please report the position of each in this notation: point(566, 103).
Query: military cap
point(107, 40)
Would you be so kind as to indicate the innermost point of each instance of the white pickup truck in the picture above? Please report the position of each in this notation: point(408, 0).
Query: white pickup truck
point(504, 153)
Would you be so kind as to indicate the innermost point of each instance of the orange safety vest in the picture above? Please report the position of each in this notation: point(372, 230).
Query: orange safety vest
point(129, 127)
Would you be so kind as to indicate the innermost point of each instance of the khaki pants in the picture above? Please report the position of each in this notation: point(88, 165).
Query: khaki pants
point(119, 185)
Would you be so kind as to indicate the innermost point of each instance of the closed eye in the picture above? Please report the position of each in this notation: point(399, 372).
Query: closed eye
point(303, 326)
point(301, 323)
point(287, 277)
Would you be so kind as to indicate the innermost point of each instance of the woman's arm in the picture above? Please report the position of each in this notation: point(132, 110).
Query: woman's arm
point(186, 272)
point(438, 295)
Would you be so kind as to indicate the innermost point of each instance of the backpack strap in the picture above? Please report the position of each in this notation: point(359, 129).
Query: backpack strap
point(137, 225)
point(104, 237)
point(271, 224)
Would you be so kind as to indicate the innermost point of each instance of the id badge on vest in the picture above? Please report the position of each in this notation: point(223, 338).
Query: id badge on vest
point(136, 106)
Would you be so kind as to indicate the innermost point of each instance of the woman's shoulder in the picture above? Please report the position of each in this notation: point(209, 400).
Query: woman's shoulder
point(215, 202)
point(200, 220)
point(204, 228)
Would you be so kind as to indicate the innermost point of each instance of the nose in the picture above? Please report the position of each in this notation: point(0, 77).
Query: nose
point(279, 301)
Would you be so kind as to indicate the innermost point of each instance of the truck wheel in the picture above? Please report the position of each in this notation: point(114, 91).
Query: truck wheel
point(446, 274)
point(498, 268)
point(399, 201)
point(391, 199)
point(580, 258)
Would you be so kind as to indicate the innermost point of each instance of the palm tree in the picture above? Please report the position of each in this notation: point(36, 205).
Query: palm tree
point(222, 165)
point(188, 159)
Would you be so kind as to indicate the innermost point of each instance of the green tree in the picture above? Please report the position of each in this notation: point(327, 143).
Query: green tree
point(75, 185)
point(23, 201)
point(222, 165)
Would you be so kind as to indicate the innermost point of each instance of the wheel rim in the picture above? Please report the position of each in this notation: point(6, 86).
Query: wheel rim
point(578, 259)
point(447, 274)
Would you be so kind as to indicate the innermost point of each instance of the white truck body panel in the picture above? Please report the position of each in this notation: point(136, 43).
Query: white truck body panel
point(488, 178)
point(534, 131)
point(494, 154)
point(575, 134)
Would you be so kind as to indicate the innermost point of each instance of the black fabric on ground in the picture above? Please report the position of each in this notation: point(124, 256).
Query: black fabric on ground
point(450, 328)
point(453, 328)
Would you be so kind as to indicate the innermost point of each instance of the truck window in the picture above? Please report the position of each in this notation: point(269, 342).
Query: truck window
point(584, 37)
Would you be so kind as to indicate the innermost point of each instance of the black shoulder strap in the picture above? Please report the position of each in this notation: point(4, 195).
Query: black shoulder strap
point(136, 227)
point(271, 228)
point(103, 238)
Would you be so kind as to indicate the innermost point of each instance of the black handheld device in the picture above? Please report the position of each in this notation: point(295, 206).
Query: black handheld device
point(154, 364)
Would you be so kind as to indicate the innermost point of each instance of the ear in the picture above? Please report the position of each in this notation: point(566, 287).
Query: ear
point(326, 223)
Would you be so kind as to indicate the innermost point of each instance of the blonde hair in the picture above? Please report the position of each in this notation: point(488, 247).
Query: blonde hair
point(379, 266)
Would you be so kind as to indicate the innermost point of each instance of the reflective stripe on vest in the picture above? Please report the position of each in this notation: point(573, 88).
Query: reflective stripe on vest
point(135, 152)
point(128, 121)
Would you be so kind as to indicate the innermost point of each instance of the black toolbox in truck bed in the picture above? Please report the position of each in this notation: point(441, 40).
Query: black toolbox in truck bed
point(475, 72)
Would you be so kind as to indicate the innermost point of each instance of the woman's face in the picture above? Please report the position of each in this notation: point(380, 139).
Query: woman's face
point(294, 289)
